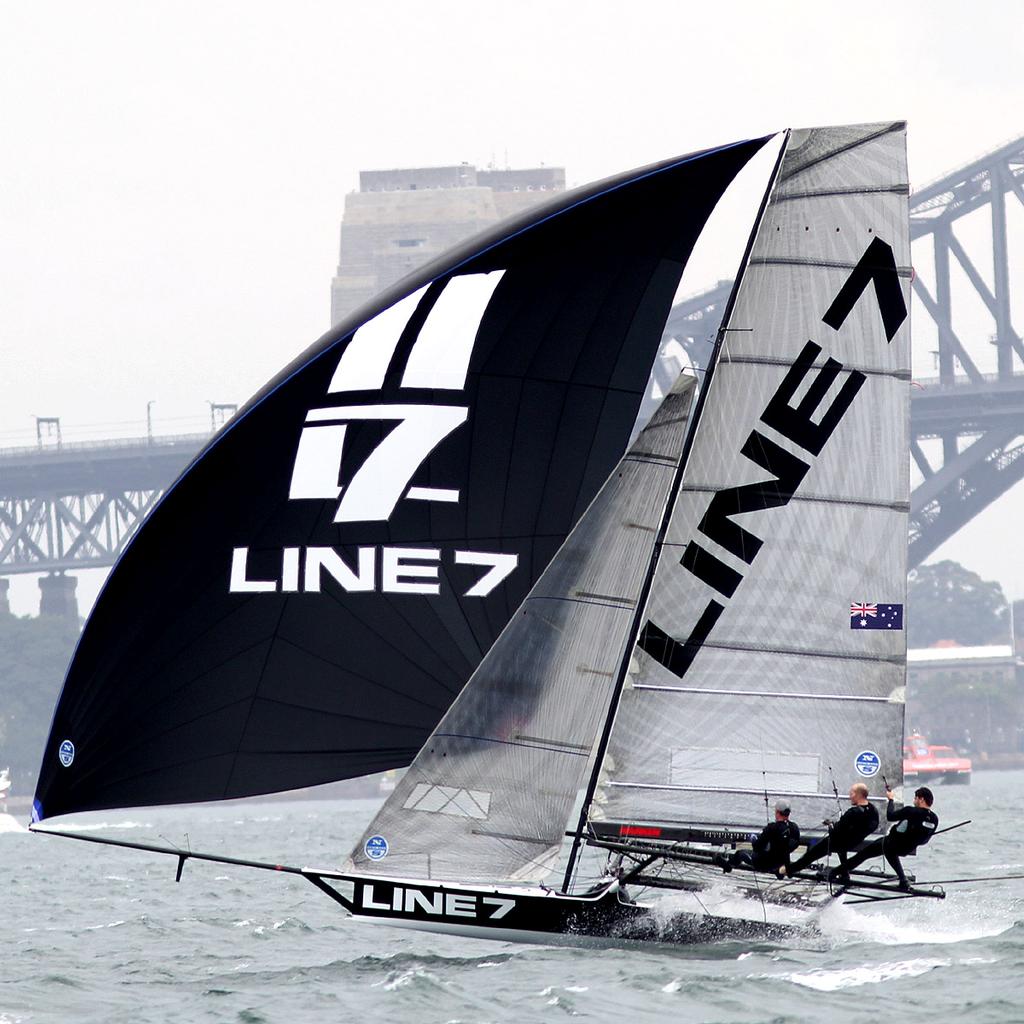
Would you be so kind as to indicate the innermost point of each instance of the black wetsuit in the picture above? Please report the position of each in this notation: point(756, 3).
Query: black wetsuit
point(854, 826)
point(916, 826)
point(771, 849)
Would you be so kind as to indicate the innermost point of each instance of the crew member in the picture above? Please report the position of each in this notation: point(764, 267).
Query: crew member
point(859, 821)
point(771, 849)
point(915, 826)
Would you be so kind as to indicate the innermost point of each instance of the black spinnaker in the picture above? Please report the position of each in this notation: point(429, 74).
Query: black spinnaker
point(313, 592)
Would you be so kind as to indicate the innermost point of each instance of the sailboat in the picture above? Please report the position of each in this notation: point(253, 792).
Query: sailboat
point(437, 540)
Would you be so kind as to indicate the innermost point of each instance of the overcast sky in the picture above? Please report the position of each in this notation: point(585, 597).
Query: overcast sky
point(173, 174)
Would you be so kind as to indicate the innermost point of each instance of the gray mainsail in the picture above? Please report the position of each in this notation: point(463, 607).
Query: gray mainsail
point(488, 796)
point(748, 682)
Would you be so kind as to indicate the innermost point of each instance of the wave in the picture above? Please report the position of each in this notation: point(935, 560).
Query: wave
point(826, 980)
point(958, 918)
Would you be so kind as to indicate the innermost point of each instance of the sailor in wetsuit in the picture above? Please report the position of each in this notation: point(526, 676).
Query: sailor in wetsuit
point(771, 849)
point(916, 825)
point(855, 825)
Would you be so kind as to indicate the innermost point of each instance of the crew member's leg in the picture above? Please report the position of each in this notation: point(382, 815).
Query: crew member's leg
point(812, 853)
point(741, 859)
point(846, 865)
point(871, 850)
point(894, 862)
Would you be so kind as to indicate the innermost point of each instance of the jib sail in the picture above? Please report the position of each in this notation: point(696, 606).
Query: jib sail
point(310, 596)
point(489, 795)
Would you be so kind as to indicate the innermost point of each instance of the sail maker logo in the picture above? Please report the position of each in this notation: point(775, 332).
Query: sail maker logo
point(877, 266)
point(438, 360)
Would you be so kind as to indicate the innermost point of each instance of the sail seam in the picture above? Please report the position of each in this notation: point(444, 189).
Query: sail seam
point(514, 743)
point(362, 678)
point(578, 600)
point(338, 714)
point(760, 693)
point(896, 126)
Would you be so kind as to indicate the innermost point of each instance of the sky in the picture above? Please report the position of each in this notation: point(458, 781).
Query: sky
point(173, 174)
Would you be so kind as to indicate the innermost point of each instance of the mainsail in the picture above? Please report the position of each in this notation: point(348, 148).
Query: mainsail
point(748, 682)
point(313, 592)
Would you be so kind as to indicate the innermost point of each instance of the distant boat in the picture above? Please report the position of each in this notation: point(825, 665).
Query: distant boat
point(925, 762)
point(7, 822)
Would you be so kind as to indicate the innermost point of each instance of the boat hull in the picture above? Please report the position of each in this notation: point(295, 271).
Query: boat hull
point(930, 776)
point(537, 915)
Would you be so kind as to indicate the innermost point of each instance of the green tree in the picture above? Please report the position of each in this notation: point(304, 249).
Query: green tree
point(945, 601)
point(34, 653)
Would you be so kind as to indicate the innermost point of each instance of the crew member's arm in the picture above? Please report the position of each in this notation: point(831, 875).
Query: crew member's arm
point(763, 841)
point(891, 814)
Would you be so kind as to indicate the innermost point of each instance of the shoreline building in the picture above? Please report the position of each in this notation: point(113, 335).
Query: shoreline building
point(401, 218)
point(970, 698)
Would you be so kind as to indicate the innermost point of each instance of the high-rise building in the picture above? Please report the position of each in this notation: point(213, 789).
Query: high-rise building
point(402, 218)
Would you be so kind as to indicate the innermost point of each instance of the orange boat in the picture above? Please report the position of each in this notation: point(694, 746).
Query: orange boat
point(925, 763)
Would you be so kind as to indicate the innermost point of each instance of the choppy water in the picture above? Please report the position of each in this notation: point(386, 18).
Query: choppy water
point(91, 934)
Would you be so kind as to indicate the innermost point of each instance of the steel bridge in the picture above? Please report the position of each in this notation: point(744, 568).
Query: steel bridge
point(74, 506)
point(967, 427)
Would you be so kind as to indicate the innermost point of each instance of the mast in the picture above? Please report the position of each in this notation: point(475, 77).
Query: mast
point(641, 605)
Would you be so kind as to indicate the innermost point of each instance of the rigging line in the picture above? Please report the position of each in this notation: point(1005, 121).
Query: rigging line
point(764, 907)
point(981, 878)
point(764, 772)
point(645, 590)
point(949, 828)
point(835, 790)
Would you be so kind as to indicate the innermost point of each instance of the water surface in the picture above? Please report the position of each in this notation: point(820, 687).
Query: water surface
point(93, 934)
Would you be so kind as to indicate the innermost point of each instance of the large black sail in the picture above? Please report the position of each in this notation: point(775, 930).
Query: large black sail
point(314, 591)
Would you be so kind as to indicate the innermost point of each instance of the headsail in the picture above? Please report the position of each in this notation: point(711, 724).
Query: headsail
point(489, 795)
point(748, 682)
point(315, 590)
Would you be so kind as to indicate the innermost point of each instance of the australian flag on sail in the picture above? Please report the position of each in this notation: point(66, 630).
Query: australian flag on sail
point(876, 616)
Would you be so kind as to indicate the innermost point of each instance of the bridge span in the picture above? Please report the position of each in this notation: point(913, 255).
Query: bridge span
point(74, 506)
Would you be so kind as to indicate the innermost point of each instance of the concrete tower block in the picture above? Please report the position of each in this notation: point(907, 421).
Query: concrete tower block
point(57, 596)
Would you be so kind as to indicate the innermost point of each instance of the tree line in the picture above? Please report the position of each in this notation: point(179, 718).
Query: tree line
point(945, 602)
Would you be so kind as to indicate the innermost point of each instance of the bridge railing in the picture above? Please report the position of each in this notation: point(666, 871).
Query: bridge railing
point(961, 380)
point(36, 451)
